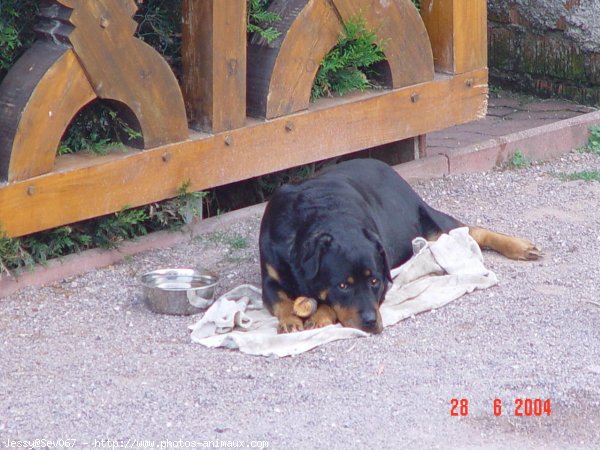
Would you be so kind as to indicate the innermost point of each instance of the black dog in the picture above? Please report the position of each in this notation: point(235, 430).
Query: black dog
point(335, 237)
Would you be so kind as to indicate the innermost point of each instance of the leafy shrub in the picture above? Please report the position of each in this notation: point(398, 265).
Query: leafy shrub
point(347, 67)
point(593, 145)
point(17, 18)
point(260, 20)
point(518, 160)
point(97, 128)
point(101, 232)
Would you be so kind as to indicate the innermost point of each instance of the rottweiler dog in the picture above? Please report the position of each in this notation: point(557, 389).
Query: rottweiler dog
point(334, 238)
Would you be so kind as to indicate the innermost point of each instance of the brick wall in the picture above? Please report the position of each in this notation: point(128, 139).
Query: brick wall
point(548, 47)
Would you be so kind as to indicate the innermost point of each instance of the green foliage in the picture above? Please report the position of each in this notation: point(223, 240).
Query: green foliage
point(97, 128)
point(348, 66)
point(259, 20)
point(593, 145)
point(518, 160)
point(174, 213)
point(12, 254)
point(160, 27)
point(16, 30)
point(234, 241)
point(584, 175)
point(102, 232)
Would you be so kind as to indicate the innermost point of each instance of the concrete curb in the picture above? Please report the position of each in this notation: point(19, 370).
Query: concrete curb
point(541, 143)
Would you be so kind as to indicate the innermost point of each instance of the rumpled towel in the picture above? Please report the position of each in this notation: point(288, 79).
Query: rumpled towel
point(439, 272)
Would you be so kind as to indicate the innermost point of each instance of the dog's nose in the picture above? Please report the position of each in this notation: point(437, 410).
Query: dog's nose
point(370, 321)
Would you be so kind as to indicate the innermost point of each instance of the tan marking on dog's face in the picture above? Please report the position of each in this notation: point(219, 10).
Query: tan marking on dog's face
point(272, 273)
point(348, 317)
point(367, 273)
point(350, 280)
point(323, 294)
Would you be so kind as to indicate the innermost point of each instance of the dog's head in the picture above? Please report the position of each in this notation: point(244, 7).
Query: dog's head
point(349, 271)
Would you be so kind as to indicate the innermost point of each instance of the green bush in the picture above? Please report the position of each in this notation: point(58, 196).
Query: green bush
point(102, 232)
point(17, 18)
point(593, 145)
point(348, 66)
point(260, 20)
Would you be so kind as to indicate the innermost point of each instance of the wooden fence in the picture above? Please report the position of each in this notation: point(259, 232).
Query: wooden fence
point(250, 99)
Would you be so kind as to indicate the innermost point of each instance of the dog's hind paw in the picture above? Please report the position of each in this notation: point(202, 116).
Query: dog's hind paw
point(533, 253)
point(528, 251)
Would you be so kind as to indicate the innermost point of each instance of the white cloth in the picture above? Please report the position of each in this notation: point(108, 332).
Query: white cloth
point(439, 272)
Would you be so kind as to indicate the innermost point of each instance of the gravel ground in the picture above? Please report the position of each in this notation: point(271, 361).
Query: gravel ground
point(84, 360)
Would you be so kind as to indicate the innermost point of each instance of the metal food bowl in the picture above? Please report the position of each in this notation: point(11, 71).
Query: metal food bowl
point(179, 291)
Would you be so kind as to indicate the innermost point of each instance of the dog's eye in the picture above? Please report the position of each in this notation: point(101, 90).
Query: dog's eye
point(343, 286)
point(374, 281)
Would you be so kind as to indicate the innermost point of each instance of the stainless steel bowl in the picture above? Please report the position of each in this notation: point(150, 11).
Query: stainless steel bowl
point(178, 291)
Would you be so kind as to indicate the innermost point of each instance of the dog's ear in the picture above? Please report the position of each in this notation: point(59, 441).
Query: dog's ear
point(311, 253)
point(371, 236)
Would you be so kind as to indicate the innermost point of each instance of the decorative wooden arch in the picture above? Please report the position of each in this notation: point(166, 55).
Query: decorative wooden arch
point(281, 73)
point(86, 51)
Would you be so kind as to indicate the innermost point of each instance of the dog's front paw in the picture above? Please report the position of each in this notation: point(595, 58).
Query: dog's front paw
point(318, 322)
point(290, 324)
point(323, 317)
point(305, 307)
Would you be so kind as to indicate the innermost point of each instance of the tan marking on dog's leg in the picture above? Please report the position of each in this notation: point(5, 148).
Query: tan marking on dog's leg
point(272, 273)
point(325, 315)
point(323, 294)
point(509, 246)
point(284, 311)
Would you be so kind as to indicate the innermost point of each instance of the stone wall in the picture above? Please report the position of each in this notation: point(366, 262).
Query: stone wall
point(548, 47)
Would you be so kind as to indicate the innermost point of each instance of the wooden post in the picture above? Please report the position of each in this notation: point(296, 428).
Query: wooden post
point(458, 33)
point(214, 63)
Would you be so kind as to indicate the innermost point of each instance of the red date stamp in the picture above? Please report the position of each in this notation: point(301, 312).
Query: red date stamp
point(521, 407)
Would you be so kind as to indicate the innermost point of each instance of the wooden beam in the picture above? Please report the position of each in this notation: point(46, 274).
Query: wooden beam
point(332, 127)
point(458, 33)
point(214, 63)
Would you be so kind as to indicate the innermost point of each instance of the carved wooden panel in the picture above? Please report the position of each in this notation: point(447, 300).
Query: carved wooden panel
point(85, 50)
point(281, 74)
